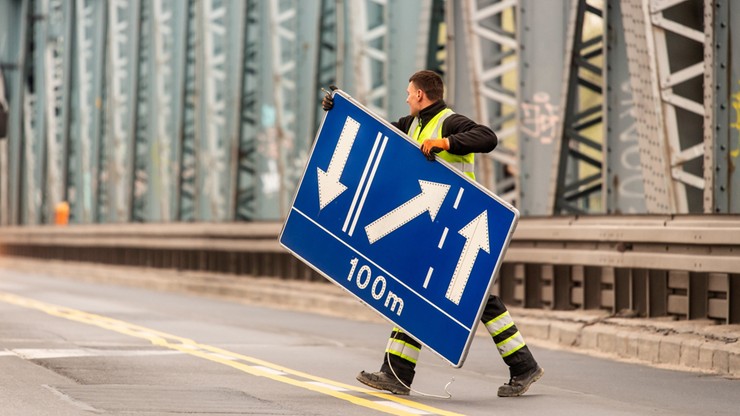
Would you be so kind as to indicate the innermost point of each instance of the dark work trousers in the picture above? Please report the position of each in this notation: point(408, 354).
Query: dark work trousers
point(403, 351)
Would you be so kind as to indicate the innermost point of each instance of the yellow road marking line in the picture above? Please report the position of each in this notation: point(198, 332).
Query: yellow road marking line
point(258, 367)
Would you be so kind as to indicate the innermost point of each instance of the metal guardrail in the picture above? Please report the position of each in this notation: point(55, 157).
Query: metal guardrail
point(686, 267)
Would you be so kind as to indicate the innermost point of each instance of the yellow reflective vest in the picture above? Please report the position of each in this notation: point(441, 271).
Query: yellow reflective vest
point(433, 130)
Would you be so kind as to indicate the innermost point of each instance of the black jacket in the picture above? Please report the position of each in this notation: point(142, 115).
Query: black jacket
point(465, 135)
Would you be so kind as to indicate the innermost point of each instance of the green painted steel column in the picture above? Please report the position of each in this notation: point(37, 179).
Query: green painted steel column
point(87, 109)
point(121, 110)
point(57, 61)
point(578, 175)
point(14, 51)
point(162, 122)
point(219, 68)
point(247, 178)
point(722, 135)
point(540, 94)
point(625, 191)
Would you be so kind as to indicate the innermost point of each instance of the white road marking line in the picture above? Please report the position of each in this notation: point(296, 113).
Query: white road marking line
point(367, 187)
point(47, 353)
point(327, 386)
point(362, 182)
point(269, 370)
point(429, 276)
point(401, 407)
point(457, 200)
point(442, 239)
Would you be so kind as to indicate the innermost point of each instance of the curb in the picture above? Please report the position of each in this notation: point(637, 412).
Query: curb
point(696, 345)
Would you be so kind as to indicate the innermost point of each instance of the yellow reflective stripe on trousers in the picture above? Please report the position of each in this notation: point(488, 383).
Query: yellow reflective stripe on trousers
point(510, 345)
point(402, 349)
point(499, 324)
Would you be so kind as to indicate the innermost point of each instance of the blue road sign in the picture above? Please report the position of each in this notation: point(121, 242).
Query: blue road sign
point(414, 239)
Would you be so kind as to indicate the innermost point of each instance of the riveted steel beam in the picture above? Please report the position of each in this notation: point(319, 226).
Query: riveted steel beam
point(722, 101)
point(539, 99)
point(624, 188)
point(666, 64)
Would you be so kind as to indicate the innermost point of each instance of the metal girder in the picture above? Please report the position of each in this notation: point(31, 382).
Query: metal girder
point(4, 107)
point(35, 121)
point(247, 164)
point(577, 172)
point(89, 47)
point(219, 77)
point(187, 180)
point(666, 62)
point(17, 53)
point(436, 50)
point(328, 62)
point(624, 189)
point(283, 41)
point(57, 63)
point(540, 93)
point(121, 115)
point(140, 178)
point(15, 57)
point(722, 101)
point(407, 42)
point(369, 25)
point(490, 28)
point(157, 186)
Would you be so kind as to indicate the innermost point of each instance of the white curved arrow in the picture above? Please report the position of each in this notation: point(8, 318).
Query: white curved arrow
point(476, 233)
point(430, 199)
point(329, 186)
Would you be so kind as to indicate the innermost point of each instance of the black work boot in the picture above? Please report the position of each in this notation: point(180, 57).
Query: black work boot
point(518, 385)
point(383, 381)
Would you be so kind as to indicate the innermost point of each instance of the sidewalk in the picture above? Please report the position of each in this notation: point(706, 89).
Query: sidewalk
point(696, 345)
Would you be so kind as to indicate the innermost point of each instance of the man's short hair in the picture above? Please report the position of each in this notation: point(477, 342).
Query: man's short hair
point(430, 82)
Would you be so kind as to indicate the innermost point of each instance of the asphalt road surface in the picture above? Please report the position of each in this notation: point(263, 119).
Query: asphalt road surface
point(75, 348)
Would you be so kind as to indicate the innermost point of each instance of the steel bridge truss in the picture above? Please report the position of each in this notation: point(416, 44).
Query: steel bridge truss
point(369, 25)
point(578, 168)
point(491, 32)
point(284, 38)
point(661, 34)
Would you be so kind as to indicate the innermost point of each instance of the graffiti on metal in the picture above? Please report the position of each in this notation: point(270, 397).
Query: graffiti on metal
point(540, 118)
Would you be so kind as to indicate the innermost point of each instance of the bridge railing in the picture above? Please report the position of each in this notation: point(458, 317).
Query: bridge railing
point(685, 267)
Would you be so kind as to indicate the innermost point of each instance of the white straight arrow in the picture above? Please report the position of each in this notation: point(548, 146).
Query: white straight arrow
point(329, 186)
point(476, 234)
point(430, 199)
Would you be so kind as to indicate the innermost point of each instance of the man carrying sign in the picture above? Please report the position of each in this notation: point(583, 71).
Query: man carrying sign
point(455, 138)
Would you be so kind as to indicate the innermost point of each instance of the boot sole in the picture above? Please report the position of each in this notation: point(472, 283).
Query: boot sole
point(382, 386)
point(536, 377)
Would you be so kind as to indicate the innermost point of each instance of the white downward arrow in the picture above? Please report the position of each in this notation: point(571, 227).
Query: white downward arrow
point(430, 199)
point(329, 186)
point(476, 233)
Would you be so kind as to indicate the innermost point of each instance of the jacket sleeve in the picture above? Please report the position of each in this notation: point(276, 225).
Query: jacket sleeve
point(403, 123)
point(467, 136)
